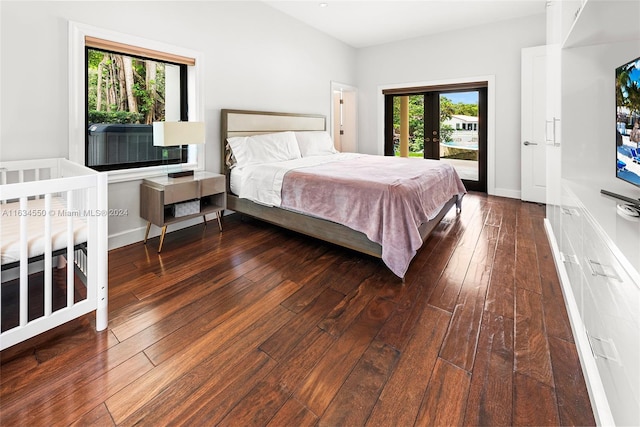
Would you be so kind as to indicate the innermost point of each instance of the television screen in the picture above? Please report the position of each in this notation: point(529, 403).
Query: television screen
point(628, 122)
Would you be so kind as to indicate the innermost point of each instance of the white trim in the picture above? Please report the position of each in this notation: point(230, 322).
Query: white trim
point(77, 90)
point(506, 192)
point(491, 118)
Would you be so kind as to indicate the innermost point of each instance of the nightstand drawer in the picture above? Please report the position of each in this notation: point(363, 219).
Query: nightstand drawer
point(212, 186)
point(179, 192)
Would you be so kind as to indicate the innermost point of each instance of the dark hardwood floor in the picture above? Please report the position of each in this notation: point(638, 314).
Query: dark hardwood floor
point(260, 326)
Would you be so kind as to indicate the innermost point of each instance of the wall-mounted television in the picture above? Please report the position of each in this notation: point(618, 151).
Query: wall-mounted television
point(628, 122)
point(627, 87)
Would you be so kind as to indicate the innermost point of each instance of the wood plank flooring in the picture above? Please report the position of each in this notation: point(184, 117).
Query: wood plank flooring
point(260, 326)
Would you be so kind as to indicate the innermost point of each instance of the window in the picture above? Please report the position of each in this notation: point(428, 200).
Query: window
point(183, 77)
point(428, 132)
point(125, 95)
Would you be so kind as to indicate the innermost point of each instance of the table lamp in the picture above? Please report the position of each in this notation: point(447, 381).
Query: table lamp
point(172, 134)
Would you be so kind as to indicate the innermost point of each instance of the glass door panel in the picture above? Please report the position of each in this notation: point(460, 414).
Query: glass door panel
point(408, 126)
point(459, 132)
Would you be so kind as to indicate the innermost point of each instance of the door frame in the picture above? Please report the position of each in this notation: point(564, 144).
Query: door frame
point(491, 121)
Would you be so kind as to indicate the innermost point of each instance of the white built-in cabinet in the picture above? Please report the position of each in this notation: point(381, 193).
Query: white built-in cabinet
point(596, 249)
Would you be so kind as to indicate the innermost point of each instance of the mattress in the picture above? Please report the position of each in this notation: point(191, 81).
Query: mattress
point(262, 183)
point(10, 215)
point(235, 180)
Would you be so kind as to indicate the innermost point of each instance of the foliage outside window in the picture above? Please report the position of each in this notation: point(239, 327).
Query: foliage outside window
point(416, 121)
point(125, 95)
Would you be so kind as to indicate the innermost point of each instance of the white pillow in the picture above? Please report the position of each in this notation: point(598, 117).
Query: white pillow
point(265, 148)
point(315, 143)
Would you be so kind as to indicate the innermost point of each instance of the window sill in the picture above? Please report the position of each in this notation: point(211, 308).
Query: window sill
point(127, 175)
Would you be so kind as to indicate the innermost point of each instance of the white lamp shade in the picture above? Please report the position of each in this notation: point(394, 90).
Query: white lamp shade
point(169, 134)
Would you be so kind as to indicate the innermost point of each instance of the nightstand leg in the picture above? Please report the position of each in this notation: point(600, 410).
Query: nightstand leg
point(164, 230)
point(204, 219)
point(218, 215)
point(146, 234)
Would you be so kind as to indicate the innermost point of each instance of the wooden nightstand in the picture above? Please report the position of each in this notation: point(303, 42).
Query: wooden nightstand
point(165, 200)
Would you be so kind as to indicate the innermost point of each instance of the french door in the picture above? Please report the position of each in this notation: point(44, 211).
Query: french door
point(446, 123)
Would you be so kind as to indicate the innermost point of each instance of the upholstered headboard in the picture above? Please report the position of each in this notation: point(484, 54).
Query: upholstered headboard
point(244, 122)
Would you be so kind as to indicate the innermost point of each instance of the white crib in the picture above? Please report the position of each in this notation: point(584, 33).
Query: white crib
point(53, 210)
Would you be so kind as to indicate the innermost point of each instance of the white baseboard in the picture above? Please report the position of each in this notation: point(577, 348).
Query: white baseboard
point(505, 192)
point(136, 235)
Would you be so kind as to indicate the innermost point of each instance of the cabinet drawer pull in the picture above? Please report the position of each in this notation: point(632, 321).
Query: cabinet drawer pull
point(571, 259)
point(603, 348)
point(598, 269)
point(570, 211)
point(549, 138)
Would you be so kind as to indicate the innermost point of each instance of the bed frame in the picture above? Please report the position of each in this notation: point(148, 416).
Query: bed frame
point(243, 123)
point(83, 190)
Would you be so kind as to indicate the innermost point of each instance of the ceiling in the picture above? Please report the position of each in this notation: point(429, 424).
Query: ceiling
point(363, 23)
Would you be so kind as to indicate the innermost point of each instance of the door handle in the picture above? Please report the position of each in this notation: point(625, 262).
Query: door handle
point(530, 143)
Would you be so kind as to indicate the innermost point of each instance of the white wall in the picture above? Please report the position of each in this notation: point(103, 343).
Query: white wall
point(480, 51)
point(255, 57)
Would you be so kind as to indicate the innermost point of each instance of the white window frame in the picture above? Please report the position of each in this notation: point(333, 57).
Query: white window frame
point(77, 97)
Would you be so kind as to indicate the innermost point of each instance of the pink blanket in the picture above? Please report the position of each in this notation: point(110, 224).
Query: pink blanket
point(386, 198)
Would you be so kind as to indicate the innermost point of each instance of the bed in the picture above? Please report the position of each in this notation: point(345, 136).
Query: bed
point(401, 225)
point(53, 214)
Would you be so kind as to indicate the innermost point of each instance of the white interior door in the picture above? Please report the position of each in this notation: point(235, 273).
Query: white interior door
point(533, 137)
point(349, 128)
point(336, 122)
point(344, 117)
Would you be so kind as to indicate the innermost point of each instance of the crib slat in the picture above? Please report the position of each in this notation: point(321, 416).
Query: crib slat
point(24, 265)
point(37, 178)
point(70, 254)
point(48, 272)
